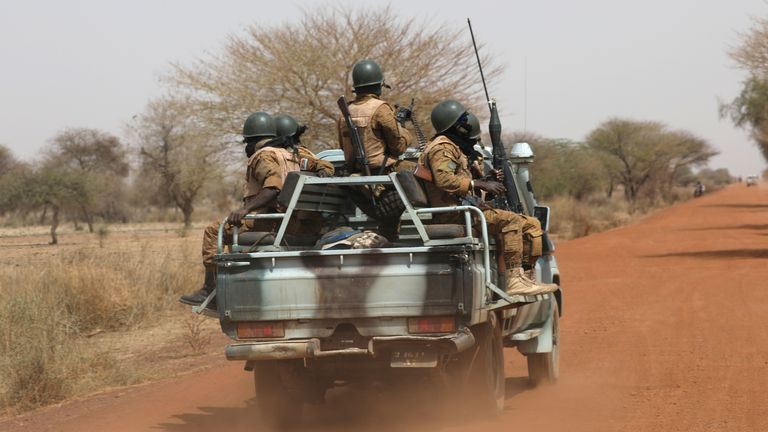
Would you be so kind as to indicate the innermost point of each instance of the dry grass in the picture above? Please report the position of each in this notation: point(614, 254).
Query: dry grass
point(573, 218)
point(50, 308)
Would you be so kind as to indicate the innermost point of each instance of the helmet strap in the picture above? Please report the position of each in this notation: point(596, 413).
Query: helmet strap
point(466, 144)
point(250, 148)
point(374, 89)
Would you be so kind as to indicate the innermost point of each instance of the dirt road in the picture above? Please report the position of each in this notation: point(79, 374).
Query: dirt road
point(665, 328)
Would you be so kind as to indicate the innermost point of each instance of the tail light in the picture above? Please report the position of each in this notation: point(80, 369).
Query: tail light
point(432, 325)
point(262, 329)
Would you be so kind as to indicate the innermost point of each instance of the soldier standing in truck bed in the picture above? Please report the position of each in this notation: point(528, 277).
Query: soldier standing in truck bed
point(269, 162)
point(446, 158)
point(384, 139)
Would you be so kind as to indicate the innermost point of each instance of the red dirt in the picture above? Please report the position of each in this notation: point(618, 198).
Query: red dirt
point(664, 329)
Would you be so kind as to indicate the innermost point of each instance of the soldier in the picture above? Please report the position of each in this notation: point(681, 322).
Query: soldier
point(269, 162)
point(384, 139)
point(453, 178)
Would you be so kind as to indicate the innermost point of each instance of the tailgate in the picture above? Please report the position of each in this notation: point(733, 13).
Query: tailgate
point(343, 284)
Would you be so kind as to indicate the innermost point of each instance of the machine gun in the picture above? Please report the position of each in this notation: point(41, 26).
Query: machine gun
point(510, 200)
point(404, 114)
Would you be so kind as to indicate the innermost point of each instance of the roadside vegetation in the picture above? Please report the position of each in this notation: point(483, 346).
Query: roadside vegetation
point(51, 313)
point(181, 162)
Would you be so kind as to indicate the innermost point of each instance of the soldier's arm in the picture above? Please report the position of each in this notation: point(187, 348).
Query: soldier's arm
point(266, 171)
point(310, 162)
point(395, 137)
point(444, 164)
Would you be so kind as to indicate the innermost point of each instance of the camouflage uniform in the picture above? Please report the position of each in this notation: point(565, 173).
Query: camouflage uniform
point(382, 135)
point(384, 141)
point(268, 168)
point(452, 178)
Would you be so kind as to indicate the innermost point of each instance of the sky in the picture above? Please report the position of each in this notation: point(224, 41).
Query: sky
point(568, 65)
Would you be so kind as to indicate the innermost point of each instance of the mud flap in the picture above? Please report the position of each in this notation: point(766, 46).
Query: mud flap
point(543, 342)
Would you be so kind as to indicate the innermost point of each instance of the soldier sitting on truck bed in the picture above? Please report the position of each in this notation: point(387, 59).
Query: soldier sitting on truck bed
point(384, 139)
point(270, 160)
point(446, 158)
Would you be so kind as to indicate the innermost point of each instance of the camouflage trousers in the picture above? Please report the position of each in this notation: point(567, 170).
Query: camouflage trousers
point(302, 224)
point(520, 234)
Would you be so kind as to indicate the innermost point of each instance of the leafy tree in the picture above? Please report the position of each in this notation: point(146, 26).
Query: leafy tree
point(99, 160)
point(7, 160)
point(30, 188)
point(641, 153)
point(714, 178)
point(562, 167)
point(749, 109)
point(301, 68)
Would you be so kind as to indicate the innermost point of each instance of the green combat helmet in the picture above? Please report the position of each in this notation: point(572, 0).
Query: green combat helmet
point(367, 73)
point(286, 125)
point(474, 129)
point(446, 114)
point(259, 124)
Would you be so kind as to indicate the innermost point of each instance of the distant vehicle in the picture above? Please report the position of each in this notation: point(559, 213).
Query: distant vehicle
point(698, 189)
point(751, 181)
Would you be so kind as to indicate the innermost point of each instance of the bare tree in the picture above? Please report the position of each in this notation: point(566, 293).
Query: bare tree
point(301, 68)
point(178, 151)
point(99, 159)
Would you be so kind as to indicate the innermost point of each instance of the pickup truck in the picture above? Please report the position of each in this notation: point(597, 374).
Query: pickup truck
point(428, 308)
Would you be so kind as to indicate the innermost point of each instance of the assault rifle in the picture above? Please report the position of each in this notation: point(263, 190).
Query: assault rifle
point(357, 142)
point(510, 200)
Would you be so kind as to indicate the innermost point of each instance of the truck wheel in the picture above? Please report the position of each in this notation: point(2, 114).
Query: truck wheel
point(277, 406)
point(544, 368)
point(487, 374)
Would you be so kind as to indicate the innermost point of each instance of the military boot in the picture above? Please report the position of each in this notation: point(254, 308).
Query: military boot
point(199, 296)
point(519, 284)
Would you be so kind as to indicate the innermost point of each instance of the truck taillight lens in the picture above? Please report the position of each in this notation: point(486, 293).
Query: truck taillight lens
point(432, 325)
point(265, 329)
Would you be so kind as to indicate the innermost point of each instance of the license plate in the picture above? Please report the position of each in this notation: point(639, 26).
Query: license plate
point(411, 358)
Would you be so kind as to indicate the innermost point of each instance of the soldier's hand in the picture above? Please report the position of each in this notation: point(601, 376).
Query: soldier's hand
point(402, 115)
point(497, 174)
point(236, 217)
point(493, 187)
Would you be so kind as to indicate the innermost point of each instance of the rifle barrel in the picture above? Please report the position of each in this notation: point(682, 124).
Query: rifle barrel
point(479, 65)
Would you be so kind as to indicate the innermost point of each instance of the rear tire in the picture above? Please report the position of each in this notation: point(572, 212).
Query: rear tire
point(544, 368)
point(279, 408)
point(486, 378)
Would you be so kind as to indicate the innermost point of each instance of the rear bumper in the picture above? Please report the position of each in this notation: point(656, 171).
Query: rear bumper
point(311, 348)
